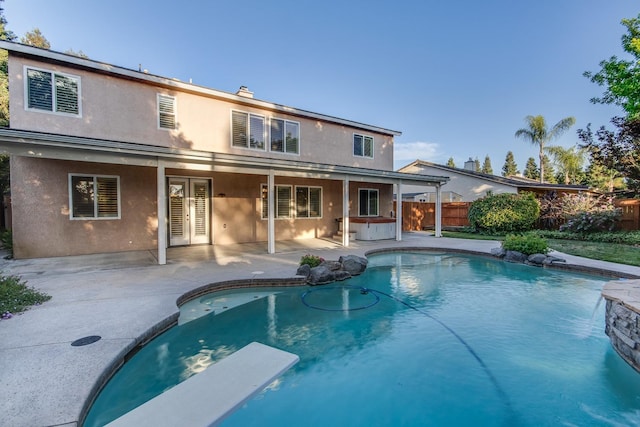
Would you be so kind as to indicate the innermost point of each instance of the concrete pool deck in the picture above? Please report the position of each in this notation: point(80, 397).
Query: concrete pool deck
point(120, 297)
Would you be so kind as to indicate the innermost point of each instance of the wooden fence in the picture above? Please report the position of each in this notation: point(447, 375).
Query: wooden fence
point(418, 216)
point(422, 216)
point(630, 220)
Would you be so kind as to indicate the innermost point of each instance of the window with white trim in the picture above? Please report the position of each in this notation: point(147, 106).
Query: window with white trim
point(283, 199)
point(362, 145)
point(368, 202)
point(166, 112)
point(94, 197)
point(248, 130)
point(308, 202)
point(53, 92)
point(284, 136)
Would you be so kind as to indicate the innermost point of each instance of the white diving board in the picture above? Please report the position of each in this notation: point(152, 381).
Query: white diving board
point(205, 399)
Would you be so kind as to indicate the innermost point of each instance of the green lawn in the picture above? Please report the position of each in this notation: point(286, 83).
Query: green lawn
point(614, 252)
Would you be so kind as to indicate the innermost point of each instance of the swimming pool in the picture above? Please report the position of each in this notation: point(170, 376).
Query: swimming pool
point(418, 339)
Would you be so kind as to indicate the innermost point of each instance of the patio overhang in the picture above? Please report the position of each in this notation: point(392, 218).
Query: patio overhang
point(65, 147)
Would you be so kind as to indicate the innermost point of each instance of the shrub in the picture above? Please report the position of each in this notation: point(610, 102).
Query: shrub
point(591, 222)
point(16, 296)
point(527, 244)
point(504, 213)
point(621, 237)
point(311, 260)
point(598, 215)
point(551, 211)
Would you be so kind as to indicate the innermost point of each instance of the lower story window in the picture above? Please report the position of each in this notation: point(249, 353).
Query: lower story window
point(94, 197)
point(368, 202)
point(308, 202)
point(283, 198)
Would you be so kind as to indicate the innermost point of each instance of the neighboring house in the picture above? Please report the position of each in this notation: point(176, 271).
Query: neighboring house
point(470, 185)
point(107, 159)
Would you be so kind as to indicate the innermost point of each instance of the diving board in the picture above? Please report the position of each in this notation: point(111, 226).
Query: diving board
point(207, 398)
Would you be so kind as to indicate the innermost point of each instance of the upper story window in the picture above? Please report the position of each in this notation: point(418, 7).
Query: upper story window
point(253, 131)
point(166, 112)
point(247, 130)
point(362, 145)
point(53, 92)
point(94, 197)
point(368, 202)
point(284, 136)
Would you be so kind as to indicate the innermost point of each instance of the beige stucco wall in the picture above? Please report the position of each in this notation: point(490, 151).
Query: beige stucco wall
point(40, 199)
point(469, 187)
point(118, 109)
point(42, 227)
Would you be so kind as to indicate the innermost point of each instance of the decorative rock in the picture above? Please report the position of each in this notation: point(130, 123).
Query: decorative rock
point(330, 271)
point(515, 256)
point(342, 275)
point(552, 260)
point(498, 252)
point(353, 264)
point(332, 265)
point(304, 270)
point(536, 259)
point(321, 275)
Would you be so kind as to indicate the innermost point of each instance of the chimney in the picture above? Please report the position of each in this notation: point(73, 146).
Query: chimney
point(470, 165)
point(244, 91)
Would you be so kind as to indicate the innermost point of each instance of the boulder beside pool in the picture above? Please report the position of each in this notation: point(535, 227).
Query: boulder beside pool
point(330, 271)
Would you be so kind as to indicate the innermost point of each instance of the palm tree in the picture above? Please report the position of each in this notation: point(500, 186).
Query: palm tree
point(569, 161)
point(538, 134)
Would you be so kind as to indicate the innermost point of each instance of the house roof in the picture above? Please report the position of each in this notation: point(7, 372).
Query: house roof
point(50, 56)
point(65, 147)
point(518, 182)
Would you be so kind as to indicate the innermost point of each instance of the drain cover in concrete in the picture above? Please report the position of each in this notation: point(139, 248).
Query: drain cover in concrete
point(85, 340)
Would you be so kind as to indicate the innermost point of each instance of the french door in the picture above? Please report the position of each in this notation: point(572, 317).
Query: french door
point(189, 211)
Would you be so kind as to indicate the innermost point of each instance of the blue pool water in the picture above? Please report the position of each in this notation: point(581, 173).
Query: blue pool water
point(419, 339)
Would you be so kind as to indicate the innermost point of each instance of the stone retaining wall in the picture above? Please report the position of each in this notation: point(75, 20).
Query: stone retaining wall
point(622, 319)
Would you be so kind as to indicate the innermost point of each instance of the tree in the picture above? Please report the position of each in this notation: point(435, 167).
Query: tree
point(486, 166)
point(531, 169)
point(603, 179)
point(476, 163)
point(569, 162)
point(621, 78)
point(510, 167)
point(618, 150)
point(549, 172)
point(4, 33)
point(79, 54)
point(4, 70)
point(538, 134)
point(36, 39)
point(450, 163)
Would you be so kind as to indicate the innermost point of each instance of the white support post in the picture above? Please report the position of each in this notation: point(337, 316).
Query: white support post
point(438, 232)
point(161, 204)
point(399, 212)
point(345, 212)
point(271, 233)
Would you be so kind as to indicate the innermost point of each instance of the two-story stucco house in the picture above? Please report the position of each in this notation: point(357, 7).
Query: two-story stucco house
point(108, 159)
